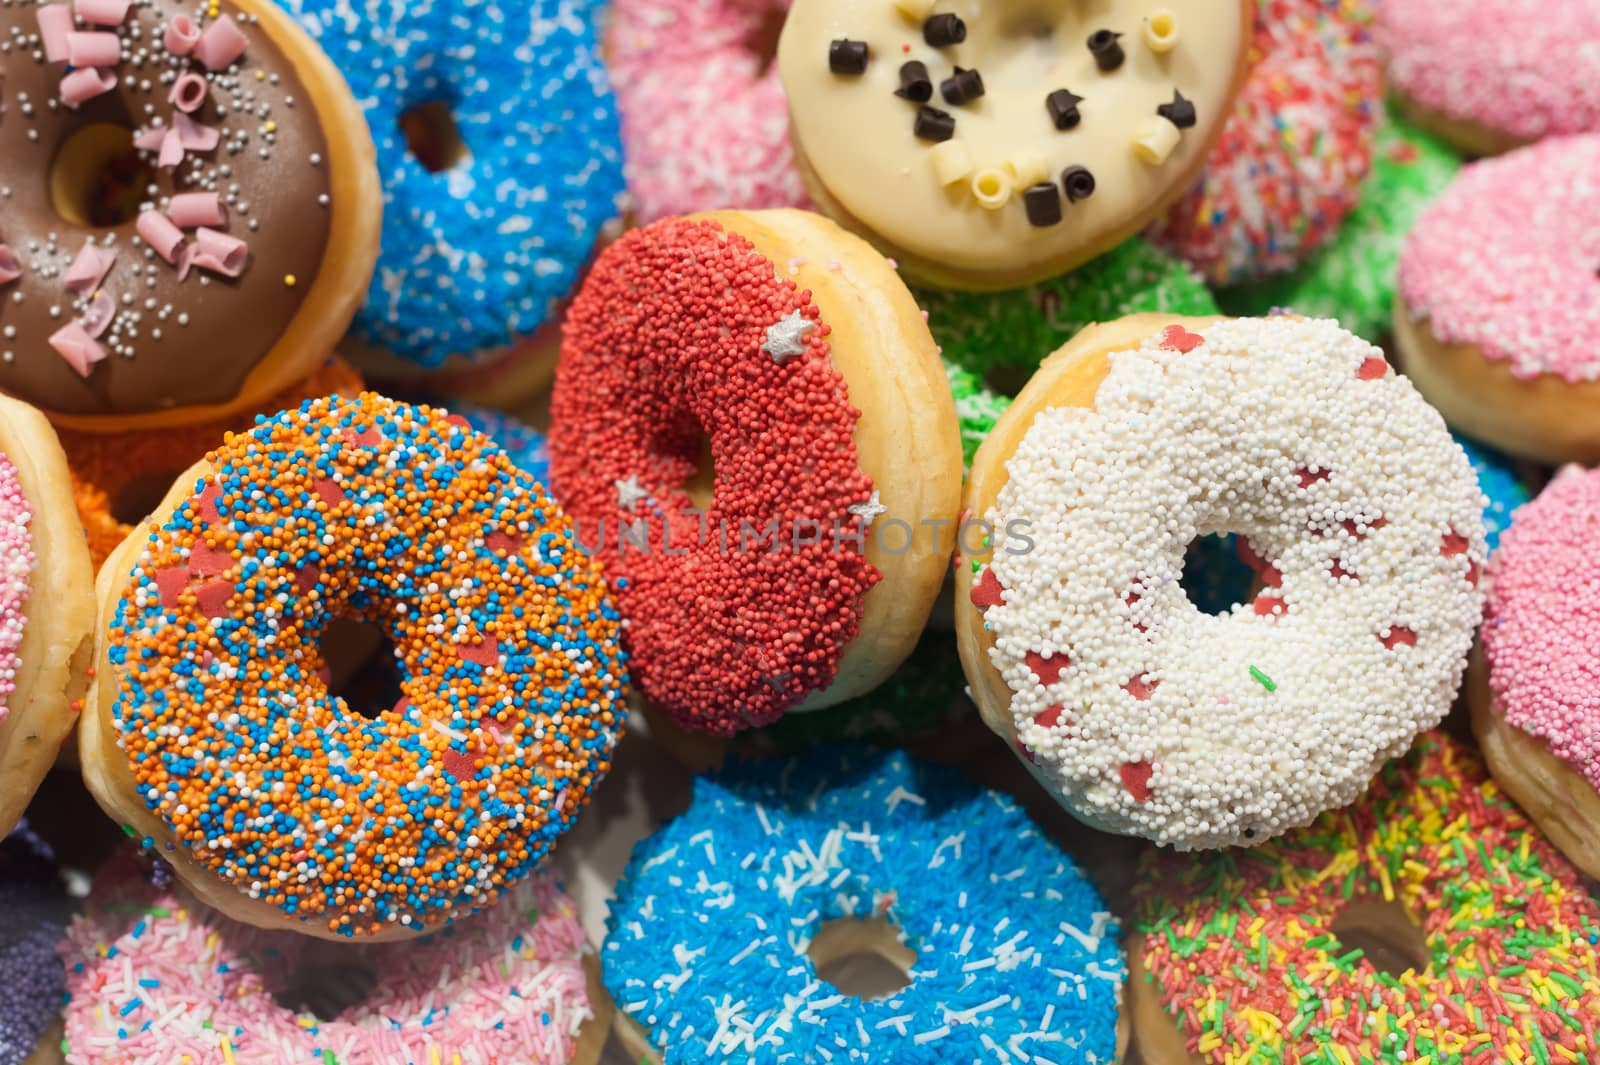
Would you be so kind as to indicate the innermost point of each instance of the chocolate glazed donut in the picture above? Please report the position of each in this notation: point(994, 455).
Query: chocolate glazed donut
point(189, 208)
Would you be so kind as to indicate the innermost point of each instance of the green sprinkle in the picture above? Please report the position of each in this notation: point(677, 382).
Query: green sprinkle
point(1263, 680)
point(129, 831)
point(328, 1058)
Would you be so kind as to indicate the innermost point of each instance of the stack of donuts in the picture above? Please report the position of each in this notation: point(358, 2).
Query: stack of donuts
point(799, 531)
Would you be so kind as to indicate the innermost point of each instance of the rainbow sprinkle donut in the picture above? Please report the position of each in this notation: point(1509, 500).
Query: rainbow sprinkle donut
point(212, 733)
point(33, 916)
point(477, 250)
point(1142, 714)
point(156, 977)
point(1239, 957)
point(724, 916)
point(1295, 149)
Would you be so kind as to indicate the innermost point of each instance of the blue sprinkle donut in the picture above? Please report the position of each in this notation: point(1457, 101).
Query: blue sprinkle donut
point(475, 256)
point(527, 447)
point(1498, 481)
point(712, 934)
point(33, 918)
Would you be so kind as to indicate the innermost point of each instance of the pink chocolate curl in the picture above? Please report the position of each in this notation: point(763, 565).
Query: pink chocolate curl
point(97, 317)
point(75, 345)
point(93, 49)
point(216, 252)
point(191, 209)
point(103, 12)
point(89, 268)
point(55, 23)
point(192, 135)
point(10, 268)
point(221, 44)
point(171, 150)
point(85, 84)
point(181, 35)
point(149, 139)
point(188, 92)
point(159, 232)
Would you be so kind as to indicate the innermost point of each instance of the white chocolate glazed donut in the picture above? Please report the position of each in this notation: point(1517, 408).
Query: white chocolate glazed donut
point(1144, 715)
point(986, 206)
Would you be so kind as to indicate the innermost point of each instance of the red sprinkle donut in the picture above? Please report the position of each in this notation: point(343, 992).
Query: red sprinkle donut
point(744, 601)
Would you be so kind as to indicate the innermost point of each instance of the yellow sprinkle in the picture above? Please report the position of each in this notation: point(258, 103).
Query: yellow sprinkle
point(288, 279)
point(261, 75)
point(272, 127)
point(227, 1051)
point(433, 1055)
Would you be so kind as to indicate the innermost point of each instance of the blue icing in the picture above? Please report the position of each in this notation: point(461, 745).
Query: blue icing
point(526, 446)
point(476, 256)
point(33, 918)
point(1499, 482)
point(1016, 951)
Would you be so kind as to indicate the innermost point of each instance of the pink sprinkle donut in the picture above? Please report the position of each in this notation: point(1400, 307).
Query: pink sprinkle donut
point(1498, 306)
point(1489, 75)
point(704, 121)
point(155, 976)
point(1295, 150)
point(1536, 708)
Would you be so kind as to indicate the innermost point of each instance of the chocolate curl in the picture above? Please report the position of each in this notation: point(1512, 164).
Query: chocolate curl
point(221, 44)
point(55, 23)
point(192, 135)
point(80, 349)
point(181, 35)
point(191, 209)
point(149, 139)
point(89, 268)
point(159, 232)
point(93, 49)
point(216, 252)
point(10, 268)
point(102, 309)
point(103, 12)
point(171, 150)
point(188, 92)
point(86, 84)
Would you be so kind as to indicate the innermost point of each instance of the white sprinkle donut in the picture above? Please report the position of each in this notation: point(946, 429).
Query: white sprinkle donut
point(1361, 516)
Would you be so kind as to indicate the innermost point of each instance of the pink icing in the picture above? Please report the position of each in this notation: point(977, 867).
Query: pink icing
point(1542, 636)
point(16, 566)
point(1505, 259)
point(1525, 68)
point(506, 985)
point(703, 125)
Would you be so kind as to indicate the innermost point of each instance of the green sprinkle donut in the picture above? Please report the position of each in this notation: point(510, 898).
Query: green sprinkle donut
point(1353, 278)
point(978, 407)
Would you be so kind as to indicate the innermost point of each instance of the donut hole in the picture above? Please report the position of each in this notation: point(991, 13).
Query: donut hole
point(862, 957)
point(700, 483)
point(1389, 940)
point(1214, 577)
point(97, 179)
point(432, 136)
point(761, 39)
point(138, 497)
point(326, 983)
point(363, 669)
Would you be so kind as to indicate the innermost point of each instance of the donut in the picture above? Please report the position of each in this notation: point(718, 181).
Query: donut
point(1294, 151)
point(212, 735)
point(1502, 486)
point(46, 639)
point(1534, 701)
point(772, 492)
point(527, 447)
point(499, 145)
point(1056, 132)
point(726, 920)
point(33, 917)
point(705, 125)
point(1428, 922)
point(191, 209)
point(118, 478)
point(1352, 278)
point(1360, 516)
point(153, 975)
point(1497, 301)
point(1479, 72)
point(978, 407)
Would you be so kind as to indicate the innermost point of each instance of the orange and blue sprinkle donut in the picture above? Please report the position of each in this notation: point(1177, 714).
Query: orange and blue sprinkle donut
point(507, 643)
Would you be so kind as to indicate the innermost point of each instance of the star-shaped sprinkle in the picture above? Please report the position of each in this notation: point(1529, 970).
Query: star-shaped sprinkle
point(630, 492)
point(786, 337)
point(870, 509)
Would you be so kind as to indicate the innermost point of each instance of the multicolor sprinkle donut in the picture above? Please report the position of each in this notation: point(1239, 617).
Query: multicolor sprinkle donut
point(1352, 278)
point(1295, 149)
point(33, 917)
point(526, 446)
point(1536, 707)
point(1239, 958)
point(47, 625)
point(834, 461)
point(1499, 304)
point(1362, 518)
point(121, 476)
point(212, 734)
point(154, 977)
point(1489, 75)
point(704, 121)
point(477, 250)
point(725, 915)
